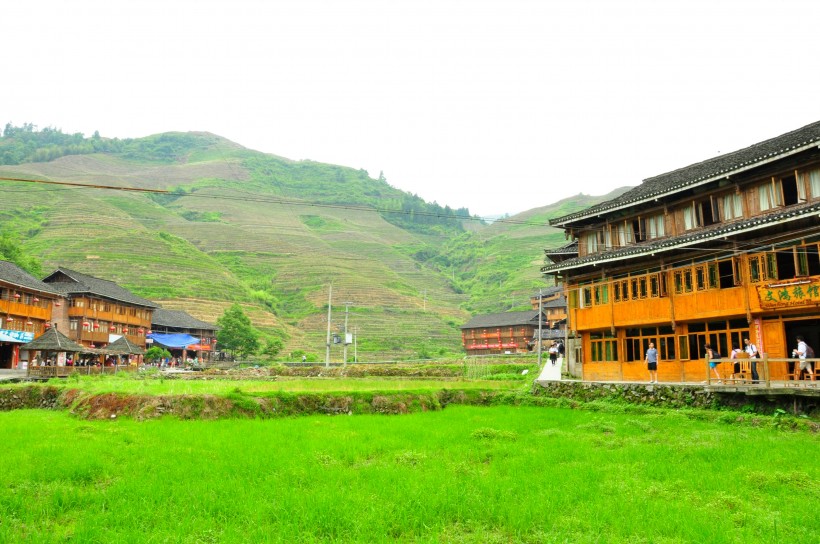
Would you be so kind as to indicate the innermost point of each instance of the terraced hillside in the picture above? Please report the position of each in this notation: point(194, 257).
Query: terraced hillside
point(234, 225)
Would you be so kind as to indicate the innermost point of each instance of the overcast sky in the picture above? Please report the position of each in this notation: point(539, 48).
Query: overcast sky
point(495, 105)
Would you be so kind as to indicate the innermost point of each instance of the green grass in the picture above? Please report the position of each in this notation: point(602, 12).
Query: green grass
point(464, 474)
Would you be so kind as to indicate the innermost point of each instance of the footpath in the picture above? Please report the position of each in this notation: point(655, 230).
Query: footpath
point(551, 372)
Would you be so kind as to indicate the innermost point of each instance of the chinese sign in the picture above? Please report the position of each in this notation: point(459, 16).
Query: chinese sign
point(22, 337)
point(785, 295)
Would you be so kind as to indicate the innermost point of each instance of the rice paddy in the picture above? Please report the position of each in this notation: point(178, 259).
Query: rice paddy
point(462, 474)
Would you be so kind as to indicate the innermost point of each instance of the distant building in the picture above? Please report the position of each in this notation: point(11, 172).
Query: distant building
point(554, 305)
point(99, 311)
point(184, 335)
point(25, 311)
point(506, 332)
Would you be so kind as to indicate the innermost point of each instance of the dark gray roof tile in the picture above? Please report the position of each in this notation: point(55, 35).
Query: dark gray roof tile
point(71, 282)
point(695, 174)
point(13, 274)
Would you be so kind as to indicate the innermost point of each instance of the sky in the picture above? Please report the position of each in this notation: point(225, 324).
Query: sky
point(499, 106)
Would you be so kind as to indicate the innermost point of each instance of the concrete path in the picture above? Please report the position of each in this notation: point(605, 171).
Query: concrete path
point(550, 372)
point(9, 374)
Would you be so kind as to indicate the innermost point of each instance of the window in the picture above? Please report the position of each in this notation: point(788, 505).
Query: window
point(655, 227)
point(812, 179)
point(604, 347)
point(700, 277)
point(732, 207)
point(625, 236)
point(690, 217)
point(591, 242)
point(768, 195)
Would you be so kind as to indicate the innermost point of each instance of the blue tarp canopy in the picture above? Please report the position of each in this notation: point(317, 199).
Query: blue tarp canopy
point(173, 340)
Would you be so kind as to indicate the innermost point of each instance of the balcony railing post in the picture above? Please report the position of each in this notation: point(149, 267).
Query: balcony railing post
point(766, 374)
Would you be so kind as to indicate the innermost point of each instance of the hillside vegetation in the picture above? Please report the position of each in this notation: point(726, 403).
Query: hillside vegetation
point(228, 224)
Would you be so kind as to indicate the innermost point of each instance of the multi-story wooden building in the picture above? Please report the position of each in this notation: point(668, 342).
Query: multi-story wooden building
point(506, 332)
point(25, 311)
point(554, 305)
point(709, 253)
point(98, 311)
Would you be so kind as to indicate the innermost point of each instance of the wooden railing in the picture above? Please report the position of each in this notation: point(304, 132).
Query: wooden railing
point(784, 371)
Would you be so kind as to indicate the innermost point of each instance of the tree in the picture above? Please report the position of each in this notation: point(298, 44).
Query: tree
point(156, 353)
point(273, 346)
point(236, 333)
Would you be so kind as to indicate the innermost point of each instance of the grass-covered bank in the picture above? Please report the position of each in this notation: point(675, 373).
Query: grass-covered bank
point(465, 474)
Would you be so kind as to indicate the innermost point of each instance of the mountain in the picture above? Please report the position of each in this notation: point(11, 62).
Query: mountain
point(215, 223)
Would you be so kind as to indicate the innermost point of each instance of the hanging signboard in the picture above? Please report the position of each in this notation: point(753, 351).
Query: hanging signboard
point(789, 294)
point(22, 337)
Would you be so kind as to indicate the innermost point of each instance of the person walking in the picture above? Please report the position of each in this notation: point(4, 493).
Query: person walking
point(553, 353)
point(652, 363)
point(751, 349)
point(711, 355)
point(803, 352)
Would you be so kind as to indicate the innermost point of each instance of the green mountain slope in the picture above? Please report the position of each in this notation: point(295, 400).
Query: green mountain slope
point(235, 225)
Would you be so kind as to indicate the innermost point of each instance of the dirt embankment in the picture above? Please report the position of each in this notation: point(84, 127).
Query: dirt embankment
point(237, 404)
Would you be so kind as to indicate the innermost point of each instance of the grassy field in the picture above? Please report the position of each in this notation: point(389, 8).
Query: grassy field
point(464, 474)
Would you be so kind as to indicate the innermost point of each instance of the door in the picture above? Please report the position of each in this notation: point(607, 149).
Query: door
point(774, 346)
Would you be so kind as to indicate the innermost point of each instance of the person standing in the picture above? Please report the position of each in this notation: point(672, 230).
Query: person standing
point(553, 353)
point(751, 349)
point(802, 352)
point(652, 363)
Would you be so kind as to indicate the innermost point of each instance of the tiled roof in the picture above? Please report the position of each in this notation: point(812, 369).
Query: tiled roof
point(13, 274)
point(83, 283)
point(179, 319)
point(559, 302)
point(549, 291)
point(568, 249)
point(713, 232)
point(703, 172)
point(504, 319)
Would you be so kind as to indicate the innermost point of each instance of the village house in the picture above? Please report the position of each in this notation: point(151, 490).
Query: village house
point(182, 334)
point(98, 312)
point(25, 310)
point(714, 252)
point(506, 332)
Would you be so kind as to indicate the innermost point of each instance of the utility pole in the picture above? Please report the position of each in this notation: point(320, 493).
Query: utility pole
point(355, 344)
point(344, 343)
point(540, 321)
point(327, 345)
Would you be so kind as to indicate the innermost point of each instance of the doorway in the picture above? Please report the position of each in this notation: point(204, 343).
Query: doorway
point(807, 328)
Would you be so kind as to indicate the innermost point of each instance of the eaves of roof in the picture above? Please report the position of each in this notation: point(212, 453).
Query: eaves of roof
point(721, 230)
point(705, 172)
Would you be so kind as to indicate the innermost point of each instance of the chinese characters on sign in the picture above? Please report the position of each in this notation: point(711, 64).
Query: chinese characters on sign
point(22, 337)
point(785, 296)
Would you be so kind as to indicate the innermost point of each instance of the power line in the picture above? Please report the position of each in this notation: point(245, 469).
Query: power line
point(279, 200)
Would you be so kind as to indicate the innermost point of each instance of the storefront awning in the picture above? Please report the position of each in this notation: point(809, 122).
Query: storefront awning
point(176, 341)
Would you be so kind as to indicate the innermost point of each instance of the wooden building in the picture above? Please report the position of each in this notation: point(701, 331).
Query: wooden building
point(712, 252)
point(170, 325)
point(506, 332)
point(99, 311)
point(554, 305)
point(25, 311)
